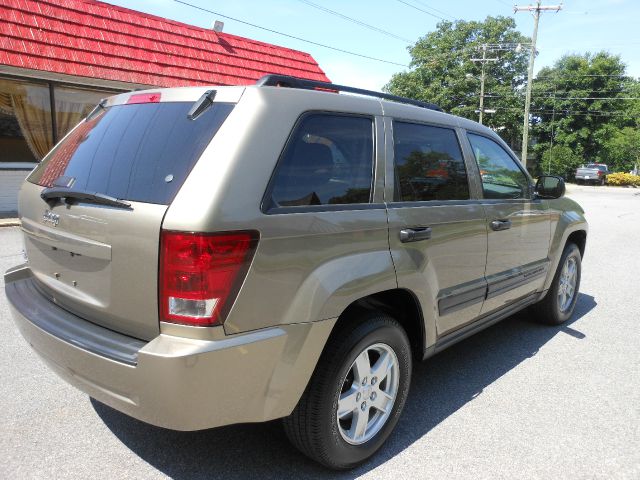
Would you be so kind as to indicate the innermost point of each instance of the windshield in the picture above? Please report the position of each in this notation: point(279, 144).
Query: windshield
point(602, 168)
point(139, 152)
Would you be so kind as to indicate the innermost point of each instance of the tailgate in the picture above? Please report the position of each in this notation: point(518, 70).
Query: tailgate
point(100, 261)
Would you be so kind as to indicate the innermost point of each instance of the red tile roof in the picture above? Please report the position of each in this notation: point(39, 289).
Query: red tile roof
point(93, 39)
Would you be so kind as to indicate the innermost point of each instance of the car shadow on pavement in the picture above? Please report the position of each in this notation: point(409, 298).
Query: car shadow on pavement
point(440, 386)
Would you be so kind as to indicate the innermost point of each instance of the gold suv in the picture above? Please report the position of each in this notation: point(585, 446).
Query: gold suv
point(199, 257)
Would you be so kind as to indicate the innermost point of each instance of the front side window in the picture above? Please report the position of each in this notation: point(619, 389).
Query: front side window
point(328, 161)
point(501, 176)
point(428, 164)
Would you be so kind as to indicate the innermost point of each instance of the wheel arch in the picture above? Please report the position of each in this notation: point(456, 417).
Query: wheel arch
point(579, 237)
point(402, 305)
point(571, 227)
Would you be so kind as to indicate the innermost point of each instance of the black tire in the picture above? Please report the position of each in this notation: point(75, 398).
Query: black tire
point(602, 182)
point(313, 427)
point(548, 310)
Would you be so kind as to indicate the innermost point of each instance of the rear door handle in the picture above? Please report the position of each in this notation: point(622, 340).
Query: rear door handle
point(415, 234)
point(498, 225)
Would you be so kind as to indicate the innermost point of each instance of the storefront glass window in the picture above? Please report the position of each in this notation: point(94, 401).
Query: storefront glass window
point(25, 121)
point(72, 105)
point(26, 124)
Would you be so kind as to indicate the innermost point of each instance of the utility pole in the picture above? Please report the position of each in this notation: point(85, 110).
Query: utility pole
point(536, 9)
point(483, 61)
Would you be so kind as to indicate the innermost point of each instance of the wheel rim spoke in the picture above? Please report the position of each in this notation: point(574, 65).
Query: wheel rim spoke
point(359, 424)
point(382, 367)
point(362, 367)
point(382, 402)
point(347, 402)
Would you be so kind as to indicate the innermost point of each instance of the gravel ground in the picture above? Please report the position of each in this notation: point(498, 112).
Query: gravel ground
point(518, 400)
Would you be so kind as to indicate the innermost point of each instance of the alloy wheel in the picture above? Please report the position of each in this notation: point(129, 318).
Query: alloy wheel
point(368, 393)
point(567, 284)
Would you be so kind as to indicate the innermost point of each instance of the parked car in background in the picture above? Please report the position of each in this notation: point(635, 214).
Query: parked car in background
point(199, 257)
point(595, 173)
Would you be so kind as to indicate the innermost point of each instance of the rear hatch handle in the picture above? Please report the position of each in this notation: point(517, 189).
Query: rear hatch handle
point(55, 193)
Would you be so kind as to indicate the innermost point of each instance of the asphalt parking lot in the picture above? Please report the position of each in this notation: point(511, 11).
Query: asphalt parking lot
point(518, 400)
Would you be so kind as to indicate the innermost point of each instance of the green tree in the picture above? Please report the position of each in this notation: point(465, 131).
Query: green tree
point(441, 62)
point(560, 160)
point(581, 103)
point(622, 150)
point(632, 95)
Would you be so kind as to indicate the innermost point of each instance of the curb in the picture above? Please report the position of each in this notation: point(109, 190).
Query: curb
point(9, 222)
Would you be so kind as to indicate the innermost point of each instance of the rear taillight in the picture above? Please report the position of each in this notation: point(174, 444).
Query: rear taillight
point(201, 273)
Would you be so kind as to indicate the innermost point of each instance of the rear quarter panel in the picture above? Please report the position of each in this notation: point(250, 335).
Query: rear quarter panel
point(311, 265)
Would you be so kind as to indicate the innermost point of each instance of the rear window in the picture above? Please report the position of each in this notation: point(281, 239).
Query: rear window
point(602, 168)
point(140, 152)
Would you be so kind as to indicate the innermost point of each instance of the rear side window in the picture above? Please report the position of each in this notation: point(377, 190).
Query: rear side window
point(428, 164)
point(327, 161)
point(139, 152)
point(501, 176)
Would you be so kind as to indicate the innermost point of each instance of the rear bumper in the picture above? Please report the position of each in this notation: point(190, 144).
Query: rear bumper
point(172, 382)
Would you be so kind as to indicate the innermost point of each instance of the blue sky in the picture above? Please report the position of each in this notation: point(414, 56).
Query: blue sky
point(582, 25)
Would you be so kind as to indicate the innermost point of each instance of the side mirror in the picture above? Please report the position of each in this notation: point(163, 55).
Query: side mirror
point(550, 187)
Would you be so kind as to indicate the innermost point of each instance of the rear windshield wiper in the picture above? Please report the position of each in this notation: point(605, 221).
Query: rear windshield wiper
point(54, 193)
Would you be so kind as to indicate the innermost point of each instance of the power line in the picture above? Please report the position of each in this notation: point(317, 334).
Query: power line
point(292, 36)
point(434, 9)
point(490, 95)
point(568, 91)
point(353, 20)
point(421, 10)
point(595, 113)
point(551, 95)
point(585, 114)
point(580, 75)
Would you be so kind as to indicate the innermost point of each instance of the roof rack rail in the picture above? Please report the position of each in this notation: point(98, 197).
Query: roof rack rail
point(304, 84)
